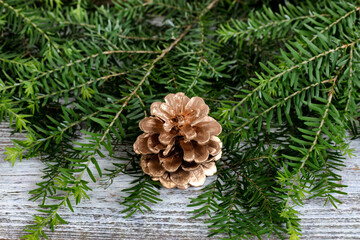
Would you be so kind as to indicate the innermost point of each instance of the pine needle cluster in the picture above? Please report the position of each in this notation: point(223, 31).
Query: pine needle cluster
point(282, 79)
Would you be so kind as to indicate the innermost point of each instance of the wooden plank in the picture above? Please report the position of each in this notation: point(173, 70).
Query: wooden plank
point(101, 217)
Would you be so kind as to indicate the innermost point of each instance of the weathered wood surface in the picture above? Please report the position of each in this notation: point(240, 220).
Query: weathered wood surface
point(101, 218)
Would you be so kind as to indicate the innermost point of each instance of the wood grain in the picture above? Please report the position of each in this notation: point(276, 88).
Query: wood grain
point(101, 218)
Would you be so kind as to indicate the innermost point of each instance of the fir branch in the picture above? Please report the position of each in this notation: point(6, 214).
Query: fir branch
point(173, 79)
point(280, 103)
point(136, 38)
point(232, 202)
point(28, 20)
point(209, 195)
point(181, 9)
point(331, 94)
point(197, 75)
point(13, 114)
point(228, 32)
point(77, 62)
point(350, 77)
point(140, 194)
point(77, 180)
point(27, 151)
point(261, 85)
point(198, 70)
point(12, 61)
point(104, 78)
point(296, 177)
point(335, 22)
point(266, 200)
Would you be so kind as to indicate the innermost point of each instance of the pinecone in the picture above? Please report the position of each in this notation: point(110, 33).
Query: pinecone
point(179, 144)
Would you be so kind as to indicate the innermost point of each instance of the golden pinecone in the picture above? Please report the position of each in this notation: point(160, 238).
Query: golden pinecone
point(179, 144)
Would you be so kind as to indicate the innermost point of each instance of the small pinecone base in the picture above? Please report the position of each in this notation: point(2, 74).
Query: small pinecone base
point(181, 175)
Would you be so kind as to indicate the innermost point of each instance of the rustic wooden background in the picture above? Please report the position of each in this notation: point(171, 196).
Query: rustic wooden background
point(101, 218)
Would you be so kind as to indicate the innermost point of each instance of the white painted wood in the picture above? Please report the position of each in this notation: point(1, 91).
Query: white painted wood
point(101, 218)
